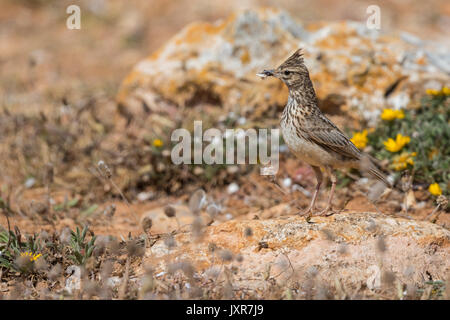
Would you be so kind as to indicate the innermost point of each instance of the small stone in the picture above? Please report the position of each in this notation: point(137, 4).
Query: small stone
point(144, 196)
point(30, 182)
point(287, 182)
point(232, 188)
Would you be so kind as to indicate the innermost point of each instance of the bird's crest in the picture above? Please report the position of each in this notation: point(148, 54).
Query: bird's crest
point(294, 60)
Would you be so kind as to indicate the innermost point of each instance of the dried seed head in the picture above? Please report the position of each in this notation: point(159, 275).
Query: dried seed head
point(106, 269)
point(212, 210)
point(113, 246)
point(48, 173)
point(160, 167)
point(188, 269)
point(40, 264)
point(90, 288)
point(388, 277)
point(136, 248)
point(372, 226)
point(409, 271)
point(411, 290)
point(110, 211)
point(406, 182)
point(170, 242)
point(54, 272)
point(342, 248)
point(38, 207)
point(248, 232)
point(104, 169)
point(213, 272)
point(101, 242)
point(197, 227)
point(312, 272)
point(376, 191)
point(226, 255)
point(323, 293)
point(184, 266)
point(197, 201)
point(329, 235)
point(212, 247)
point(149, 270)
point(44, 236)
point(169, 211)
point(381, 244)
point(282, 262)
point(24, 263)
point(195, 292)
point(147, 224)
point(173, 267)
point(65, 236)
point(228, 291)
point(442, 202)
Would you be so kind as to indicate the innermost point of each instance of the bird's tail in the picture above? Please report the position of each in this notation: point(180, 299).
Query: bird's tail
point(370, 165)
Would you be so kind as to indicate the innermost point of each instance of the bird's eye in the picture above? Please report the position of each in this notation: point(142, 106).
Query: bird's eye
point(287, 72)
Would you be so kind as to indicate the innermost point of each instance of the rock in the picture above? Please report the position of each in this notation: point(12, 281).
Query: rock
point(358, 250)
point(353, 68)
point(73, 282)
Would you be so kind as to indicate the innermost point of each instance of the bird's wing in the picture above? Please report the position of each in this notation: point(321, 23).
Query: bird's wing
point(324, 133)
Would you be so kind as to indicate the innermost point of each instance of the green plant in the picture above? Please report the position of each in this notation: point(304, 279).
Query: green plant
point(434, 290)
point(81, 249)
point(422, 148)
point(12, 247)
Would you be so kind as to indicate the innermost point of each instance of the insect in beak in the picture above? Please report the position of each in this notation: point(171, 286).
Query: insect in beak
point(266, 73)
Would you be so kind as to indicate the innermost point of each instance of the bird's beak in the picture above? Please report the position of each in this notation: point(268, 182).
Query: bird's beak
point(266, 73)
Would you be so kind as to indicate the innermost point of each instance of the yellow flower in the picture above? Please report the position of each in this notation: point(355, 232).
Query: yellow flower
point(401, 162)
point(433, 153)
point(158, 143)
point(32, 256)
point(445, 91)
point(397, 144)
point(432, 92)
point(391, 114)
point(359, 139)
point(435, 189)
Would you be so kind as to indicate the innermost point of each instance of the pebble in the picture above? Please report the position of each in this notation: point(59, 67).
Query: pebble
point(233, 188)
point(287, 182)
point(144, 196)
point(30, 183)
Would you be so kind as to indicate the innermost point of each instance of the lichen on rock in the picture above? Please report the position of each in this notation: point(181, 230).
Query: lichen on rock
point(216, 64)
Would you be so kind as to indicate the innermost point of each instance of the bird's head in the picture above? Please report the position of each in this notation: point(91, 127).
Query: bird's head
point(292, 72)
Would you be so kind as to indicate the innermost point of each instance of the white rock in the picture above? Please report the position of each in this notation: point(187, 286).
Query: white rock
point(287, 182)
point(30, 183)
point(233, 188)
point(144, 196)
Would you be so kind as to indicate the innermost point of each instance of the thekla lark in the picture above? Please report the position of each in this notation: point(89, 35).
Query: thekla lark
point(310, 135)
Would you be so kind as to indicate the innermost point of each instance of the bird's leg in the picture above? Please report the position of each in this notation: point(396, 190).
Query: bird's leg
point(328, 210)
point(319, 178)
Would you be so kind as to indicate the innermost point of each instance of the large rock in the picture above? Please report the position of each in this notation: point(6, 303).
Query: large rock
point(351, 66)
point(357, 250)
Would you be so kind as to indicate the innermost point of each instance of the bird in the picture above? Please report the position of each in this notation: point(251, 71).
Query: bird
point(311, 136)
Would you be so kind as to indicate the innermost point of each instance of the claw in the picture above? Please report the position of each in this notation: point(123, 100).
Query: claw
point(324, 213)
point(307, 214)
point(327, 212)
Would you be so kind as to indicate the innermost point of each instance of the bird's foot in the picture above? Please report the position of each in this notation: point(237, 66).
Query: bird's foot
point(307, 213)
point(328, 211)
